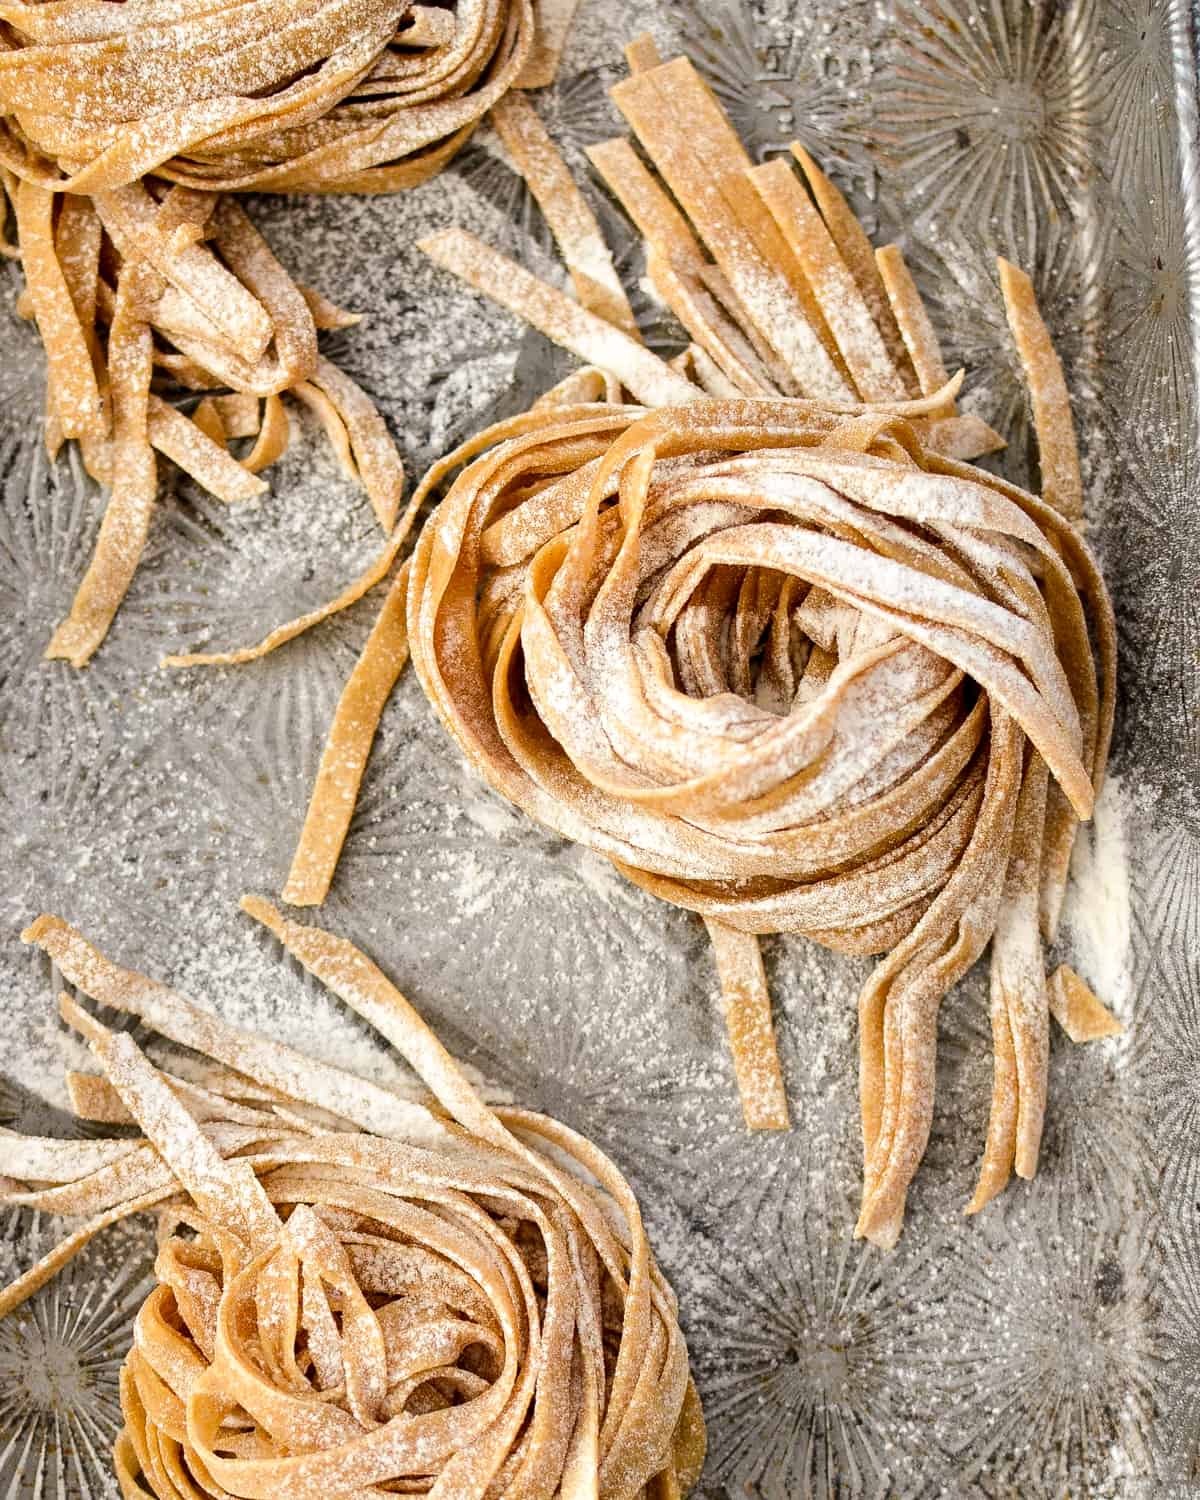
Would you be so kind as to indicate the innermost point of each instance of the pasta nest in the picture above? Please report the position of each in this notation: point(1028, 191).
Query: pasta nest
point(358, 1293)
point(357, 96)
point(794, 671)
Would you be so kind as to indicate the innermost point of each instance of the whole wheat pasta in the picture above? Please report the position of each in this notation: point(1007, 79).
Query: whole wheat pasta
point(794, 671)
point(729, 356)
point(123, 129)
point(787, 660)
point(355, 1289)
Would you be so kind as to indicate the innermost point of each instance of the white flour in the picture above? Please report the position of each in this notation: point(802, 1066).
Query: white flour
point(1097, 915)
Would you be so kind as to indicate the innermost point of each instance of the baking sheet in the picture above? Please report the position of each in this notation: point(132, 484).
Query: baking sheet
point(1050, 1346)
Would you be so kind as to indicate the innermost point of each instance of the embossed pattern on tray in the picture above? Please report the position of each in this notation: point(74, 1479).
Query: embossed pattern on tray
point(1050, 1346)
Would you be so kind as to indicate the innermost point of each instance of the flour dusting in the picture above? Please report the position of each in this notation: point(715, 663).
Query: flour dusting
point(1097, 912)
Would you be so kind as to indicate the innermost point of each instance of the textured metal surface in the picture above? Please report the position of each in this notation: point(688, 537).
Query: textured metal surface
point(1049, 1347)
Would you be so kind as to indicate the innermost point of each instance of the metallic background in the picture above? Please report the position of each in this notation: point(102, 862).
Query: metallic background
point(1049, 1347)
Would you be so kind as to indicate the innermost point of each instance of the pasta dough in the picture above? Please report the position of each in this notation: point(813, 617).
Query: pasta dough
point(355, 1289)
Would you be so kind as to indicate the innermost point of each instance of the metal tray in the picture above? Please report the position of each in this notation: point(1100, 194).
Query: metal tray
point(1051, 1346)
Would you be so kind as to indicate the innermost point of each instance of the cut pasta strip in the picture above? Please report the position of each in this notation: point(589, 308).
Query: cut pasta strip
point(566, 211)
point(344, 758)
point(325, 314)
point(376, 460)
point(132, 220)
point(596, 342)
point(676, 264)
point(751, 309)
point(272, 1064)
point(748, 1022)
point(642, 53)
point(239, 413)
point(911, 318)
point(208, 462)
point(704, 166)
point(1059, 454)
point(272, 440)
point(844, 308)
point(207, 417)
point(858, 254)
point(126, 522)
point(77, 399)
point(1077, 1010)
point(330, 418)
point(552, 25)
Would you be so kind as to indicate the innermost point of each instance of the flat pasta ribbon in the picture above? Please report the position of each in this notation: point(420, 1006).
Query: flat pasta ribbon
point(358, 96)
point(746, 622)
point(123, 131)
point(408, 1297)
point(795, 672)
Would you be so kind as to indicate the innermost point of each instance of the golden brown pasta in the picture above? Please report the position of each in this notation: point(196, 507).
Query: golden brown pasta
point(123, 128)
point(794, 671)
point(781, 655)
point(326, 96)
point(355, 1289)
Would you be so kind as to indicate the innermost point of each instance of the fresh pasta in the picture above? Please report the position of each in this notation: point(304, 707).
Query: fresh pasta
point(793, 671)
point(124, 129)
point(358, 1292)
point(749, 624)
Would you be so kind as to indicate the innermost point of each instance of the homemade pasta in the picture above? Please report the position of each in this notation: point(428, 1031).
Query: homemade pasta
point(124, 128)
point(748, 624)
point(796, 672)
point(357, 1292)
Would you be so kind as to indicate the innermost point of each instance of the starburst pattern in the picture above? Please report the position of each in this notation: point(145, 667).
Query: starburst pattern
point(1057, 1351)
point(1167, 889)
point(1180, 1428)
point(514, 220)
point(1155, 574)
point(1156, 271)
point(24, 1112)
point(48, 519)
point(991, 112)
point(79, 841)
point(807, 77)
point(1172, 1079)
point(1138, 86)
point(808, 1361)
point(60, 1355)
point(658, 1108)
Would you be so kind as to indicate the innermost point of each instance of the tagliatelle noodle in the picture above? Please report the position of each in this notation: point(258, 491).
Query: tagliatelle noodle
point(788, 662)
point(122, 131)
point(434, 1297)
point(795, 672)
point(723, 359)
